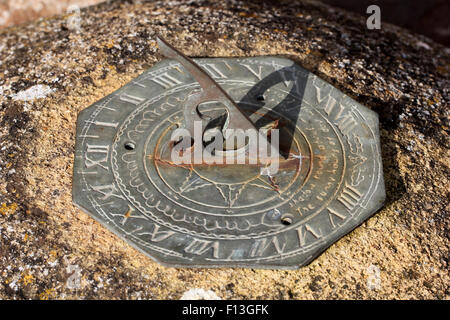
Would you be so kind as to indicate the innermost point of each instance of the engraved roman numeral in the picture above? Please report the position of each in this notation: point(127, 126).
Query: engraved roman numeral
point(303, 231)
point(128, 214)
point(107, 191)
point(346, 123)
point(258, 74)
point(213, 71)
point(261, 245)
point(349, 197)
point(329, 104)
point(165, 80)
point(131, 99)
point(104, 124)
point(200, 247)
point(101, 150)
point(88, 136)
point(324, 100)
point(97, 148)
point(139, 84)
point(333, 212)
point(157, 236)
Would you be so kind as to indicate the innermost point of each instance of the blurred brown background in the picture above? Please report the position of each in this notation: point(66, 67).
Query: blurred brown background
point(427, 17)
point(430, 18)
point(14, 12)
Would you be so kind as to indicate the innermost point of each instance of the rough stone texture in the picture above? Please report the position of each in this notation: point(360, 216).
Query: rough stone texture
point(46, 242)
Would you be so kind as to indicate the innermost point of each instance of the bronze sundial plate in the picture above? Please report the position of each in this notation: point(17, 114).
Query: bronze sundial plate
point(229, 215)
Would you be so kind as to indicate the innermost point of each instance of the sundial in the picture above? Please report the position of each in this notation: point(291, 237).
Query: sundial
point(147, 162)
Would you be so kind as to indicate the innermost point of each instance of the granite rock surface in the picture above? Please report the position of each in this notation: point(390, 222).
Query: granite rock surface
point(51, 70)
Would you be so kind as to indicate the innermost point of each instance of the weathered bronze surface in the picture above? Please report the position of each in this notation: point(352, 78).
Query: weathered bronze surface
point(330, 178)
